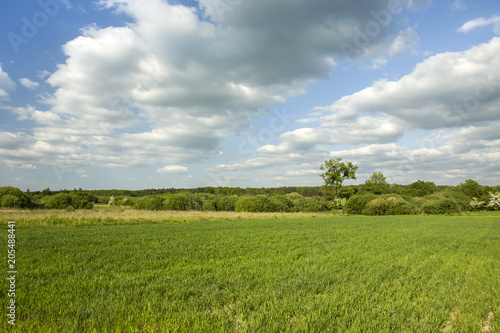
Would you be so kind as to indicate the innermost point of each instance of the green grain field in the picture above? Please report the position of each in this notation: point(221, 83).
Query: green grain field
point(308, 273)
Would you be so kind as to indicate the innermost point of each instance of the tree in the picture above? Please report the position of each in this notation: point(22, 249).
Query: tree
point(336, 172)
point(471, 188)
point(377, 184)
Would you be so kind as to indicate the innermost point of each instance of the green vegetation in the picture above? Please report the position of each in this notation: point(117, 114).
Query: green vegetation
point(298, 273)
point(419, 197)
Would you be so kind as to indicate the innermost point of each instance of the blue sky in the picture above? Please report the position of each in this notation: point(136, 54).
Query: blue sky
point(149, 94)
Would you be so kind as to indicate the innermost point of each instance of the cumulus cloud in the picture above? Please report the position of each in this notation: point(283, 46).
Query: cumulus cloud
point(28, 83)
point(493, 21)
point(453, 97)
point(166, 87)
point(6, 85)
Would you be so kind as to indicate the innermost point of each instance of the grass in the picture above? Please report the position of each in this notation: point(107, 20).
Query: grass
point(278, 273)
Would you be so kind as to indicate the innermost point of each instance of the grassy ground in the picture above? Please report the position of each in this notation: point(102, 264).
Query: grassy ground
point(278, 273)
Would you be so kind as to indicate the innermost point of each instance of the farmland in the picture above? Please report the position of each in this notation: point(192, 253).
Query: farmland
point(136, 271)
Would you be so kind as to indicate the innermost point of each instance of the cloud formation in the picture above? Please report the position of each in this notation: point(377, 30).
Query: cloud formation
point(6, 85)
point(28, 83)
point(453, 97)
point(493, 21)
point(168, 86)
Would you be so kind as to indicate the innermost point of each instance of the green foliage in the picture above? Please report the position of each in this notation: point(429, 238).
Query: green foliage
point(471, 188)
point(226, 203)
point(151, 203)
point(391, 205)
point(12, 197)
point(258, 203)
point(336, 172)
point(419, 188)
point(10, 201)
point(441, 206)
point(377, 184)
point(184, 201)
point(281, 203)
point(357, 203)
point(314, 204)
point(65, 200)
point(462, 200)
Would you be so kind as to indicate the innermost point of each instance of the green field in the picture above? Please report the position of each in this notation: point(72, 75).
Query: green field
point(300, 274)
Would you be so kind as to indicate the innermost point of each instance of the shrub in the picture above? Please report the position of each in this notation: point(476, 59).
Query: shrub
point(83, 201)
point(184, 201)
point(150, 203)
point(10, 201)
point(337, 204)
point(58, 201)
point(314, 204)
point(418, 189)
point(22, 199)
point(357, 203)
point(226, 203)
point(282, 203)
point(442, 206)
point(293, 196)
point(494, 203)
point(391, 205)
point(258, 203)
point(462, 200)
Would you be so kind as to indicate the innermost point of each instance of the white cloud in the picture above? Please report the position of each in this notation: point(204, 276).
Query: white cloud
point(168, 86)
point(28, 83)
point(6, 85)
point(453, 97)
point(493, 21)
point(173, 169)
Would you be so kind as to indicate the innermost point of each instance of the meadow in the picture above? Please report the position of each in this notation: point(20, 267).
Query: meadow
point(111, 270)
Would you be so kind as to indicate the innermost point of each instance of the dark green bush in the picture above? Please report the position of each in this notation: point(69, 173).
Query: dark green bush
point(151, 203)
point(357, 203)
point(441, 206)
point(58, 201)
point(282, 203)
point(10, 201)
point(312, 204)
point(257, 203)
point(22, 200)
point(419, 188)
point(226, 203)
point(184, 201)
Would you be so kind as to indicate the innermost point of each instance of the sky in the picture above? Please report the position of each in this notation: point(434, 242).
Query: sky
point(136, 94)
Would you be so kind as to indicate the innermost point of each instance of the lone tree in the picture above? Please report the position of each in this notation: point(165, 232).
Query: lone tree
point(336, 172)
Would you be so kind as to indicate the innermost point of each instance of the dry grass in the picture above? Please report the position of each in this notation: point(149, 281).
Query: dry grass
point(112, 215)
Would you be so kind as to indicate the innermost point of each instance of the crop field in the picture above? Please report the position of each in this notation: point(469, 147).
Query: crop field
point(120, 271)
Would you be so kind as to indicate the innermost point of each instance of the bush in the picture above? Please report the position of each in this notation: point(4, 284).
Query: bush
point(10, 201)
point(462, 200)
point(258, 203)
point(391, 205)
point(184, 201)
point(226, 203)
point(418, 189)
point(314, 204)
point(282, 203)
point(83, 201)
point(337, 204)
point(494, 203)
point(443, 206)
point(151, 203)
point(58, 201)
point(357, 203)
point(22, 200)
